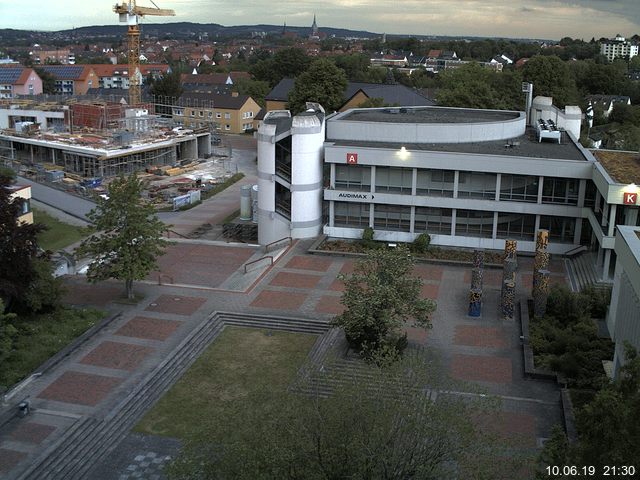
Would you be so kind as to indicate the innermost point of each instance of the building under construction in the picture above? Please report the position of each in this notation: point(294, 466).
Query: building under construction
point(95, 138)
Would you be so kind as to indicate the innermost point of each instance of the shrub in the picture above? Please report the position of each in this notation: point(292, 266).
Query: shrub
point(421, 243)
point(367, 238)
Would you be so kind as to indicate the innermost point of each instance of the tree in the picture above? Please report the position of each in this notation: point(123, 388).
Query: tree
point(382, 424)
point(323, 82)
point(256, 89)
point(168, 88)
point(129, 238)
point(286, 63)
point(380, 296)
point(7, 333)
point(48, 81)
point(551, 78)
point(18, 245)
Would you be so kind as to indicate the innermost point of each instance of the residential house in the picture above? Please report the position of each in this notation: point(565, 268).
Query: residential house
point(227, 113)
point(117, 76)
point(355, 95)
point(502, 59)
point(42, 57)
point(72, 79)
point(23, 192)
point(389, 60)
point(208, 79)
point(606, 102)
point(18, 80)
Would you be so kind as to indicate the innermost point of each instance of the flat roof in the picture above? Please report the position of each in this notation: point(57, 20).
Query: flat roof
point(623, 167)
point(429, 115)
point(521, 146)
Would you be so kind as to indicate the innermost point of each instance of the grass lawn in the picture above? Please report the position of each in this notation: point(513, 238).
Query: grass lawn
point(233, 375)
point(60, 234)
point(41, 336)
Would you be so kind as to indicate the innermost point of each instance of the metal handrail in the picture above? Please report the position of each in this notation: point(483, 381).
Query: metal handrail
point(256, 261)
point(266, 247)
point(165, 275)
point(573, 251)
point(168, 230)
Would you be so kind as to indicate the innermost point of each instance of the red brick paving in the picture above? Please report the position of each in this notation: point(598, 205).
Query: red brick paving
point(490, 277)
point(176, 304)
point(481, 369)
point(348, 267)
point(80, 388)
point(477, 336)
point(122, 356)
point(429, 272)
point(79, 292)
point(317, 264)
point(151, 328)
point(337, 285)
point(329, 304)
point(205, 265)
point(295, 280)
point(9, 459)
point(430, 290)
point(516, 428)
point(31, 432)
point(279, 300)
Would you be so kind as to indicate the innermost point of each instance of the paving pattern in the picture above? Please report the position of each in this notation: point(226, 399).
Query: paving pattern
point(93, 380)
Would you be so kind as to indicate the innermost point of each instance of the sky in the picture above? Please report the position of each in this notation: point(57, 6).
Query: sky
point(548, 19)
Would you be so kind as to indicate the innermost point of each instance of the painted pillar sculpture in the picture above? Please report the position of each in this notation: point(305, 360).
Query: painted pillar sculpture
point(510, 264)
point(475, 293)
point(541, 294)
point(540, 288)
point(508, 297)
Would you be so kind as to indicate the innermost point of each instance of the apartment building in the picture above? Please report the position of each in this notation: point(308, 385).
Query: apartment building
point(227, 113)
point(72, 79)
point(618, 47)
point(18, 80)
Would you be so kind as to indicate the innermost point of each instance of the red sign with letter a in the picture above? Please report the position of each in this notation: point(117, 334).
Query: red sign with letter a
point(630, 198)
point(352, 158)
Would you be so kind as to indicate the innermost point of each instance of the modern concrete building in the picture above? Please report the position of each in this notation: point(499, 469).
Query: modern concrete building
point(24, 193)
point(624, 312)
point(290, 174)
point(468, 178)
point(618, 47)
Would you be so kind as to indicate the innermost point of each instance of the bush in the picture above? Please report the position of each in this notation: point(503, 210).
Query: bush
point(367, 238)
point(421, 243)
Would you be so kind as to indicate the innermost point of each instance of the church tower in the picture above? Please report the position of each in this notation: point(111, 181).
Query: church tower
point(314, 30)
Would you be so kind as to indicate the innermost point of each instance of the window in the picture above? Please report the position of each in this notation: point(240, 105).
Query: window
point(347, 214)
point(201, 113)
point(353, 177)
point(516, 226)
point(438, 183)
point(218, 115)
point(250, 114)
point(561, 229)
point(193, 113)
point(391, 217)
point(477, 185)
point(393, 179)
point(227, 116)
point(433, 220)
point(474, 223)
point(560, 190)
point(519, 188)
point(227, 127)
point(210, 114)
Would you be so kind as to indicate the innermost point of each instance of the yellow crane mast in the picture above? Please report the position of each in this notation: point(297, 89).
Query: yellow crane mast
point(129, 13)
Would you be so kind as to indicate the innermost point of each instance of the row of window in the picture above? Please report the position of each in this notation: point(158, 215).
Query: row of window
point(470, 223)
point(440, 183)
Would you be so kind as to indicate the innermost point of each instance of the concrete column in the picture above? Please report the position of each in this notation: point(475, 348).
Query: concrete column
point(373, 180)
point(540, 186)
point(537, 224)
point(607, 263)
point(332, 212)
point(371, 207)
point(630, 216)
point(413, 219)
point(596, 206)
point(453, 222)
point(494, 232)
point(414, 182)
point(332, 178)
point(577, 231)
point(582, 190)
point(612, 219)
point(615, 295)
point(498, 182)
point(456, 179)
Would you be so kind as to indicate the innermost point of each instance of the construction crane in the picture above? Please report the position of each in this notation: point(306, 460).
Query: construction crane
point(129, 13)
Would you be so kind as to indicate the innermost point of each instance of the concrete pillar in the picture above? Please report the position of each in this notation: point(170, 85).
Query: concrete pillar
point(615, 295)
point(332, 213)
point(498, 182)
point(630, 216)
point(371, 213)
point(373, 179)
point(577, 232)
point(332, 176)
point(494, 232)
point(453, 222)
point(540, 186)
point(412, 221)
point(414, 181)
point(456, 180)
point(607, 263)
point(582, 190)
point(612, 219)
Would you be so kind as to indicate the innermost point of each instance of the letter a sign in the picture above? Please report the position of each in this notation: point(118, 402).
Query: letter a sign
point(352, 158)
point(630, 198)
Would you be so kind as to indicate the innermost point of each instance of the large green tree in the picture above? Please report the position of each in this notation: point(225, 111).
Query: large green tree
point(48, 81)
point(129, 238)
point(323, 82)
point(286, 63)
point(551, 78)
point(383, 424)
point(380, 297)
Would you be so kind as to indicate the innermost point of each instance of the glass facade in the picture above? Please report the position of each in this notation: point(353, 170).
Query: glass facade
point(347, 214)
point(436, 183)
point(477, 185)
point(560, 191)
point(351, 177)
point(392, 217)
point(519, 188)
point(394, 180)
point(561, 229)
point(517, 226)
point(474, 223)
point(433, 220)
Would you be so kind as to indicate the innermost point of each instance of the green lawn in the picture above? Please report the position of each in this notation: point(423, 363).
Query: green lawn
point(59, 234)
point(41, 336)
point(237, 372)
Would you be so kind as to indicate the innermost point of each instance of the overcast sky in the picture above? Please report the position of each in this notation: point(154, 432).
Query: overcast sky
point(552, 19)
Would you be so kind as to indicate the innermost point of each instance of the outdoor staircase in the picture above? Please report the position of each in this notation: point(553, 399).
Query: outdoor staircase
point(90, 439)
point(582, 272)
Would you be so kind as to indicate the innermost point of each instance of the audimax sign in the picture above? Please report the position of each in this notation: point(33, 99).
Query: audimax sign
point(356, 196)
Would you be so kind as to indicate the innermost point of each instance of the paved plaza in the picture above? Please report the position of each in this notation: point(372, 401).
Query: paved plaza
point(92, 380)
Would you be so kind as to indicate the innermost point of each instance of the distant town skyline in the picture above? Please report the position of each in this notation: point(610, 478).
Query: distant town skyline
point(552, 19)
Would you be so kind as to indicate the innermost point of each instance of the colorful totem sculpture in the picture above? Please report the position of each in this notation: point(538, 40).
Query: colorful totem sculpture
point(477, 276)
point(508, 297)
point(541, 294)
point(509, 267)
point(540, 288)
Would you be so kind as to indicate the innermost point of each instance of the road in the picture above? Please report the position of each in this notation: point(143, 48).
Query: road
point(70, 204)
